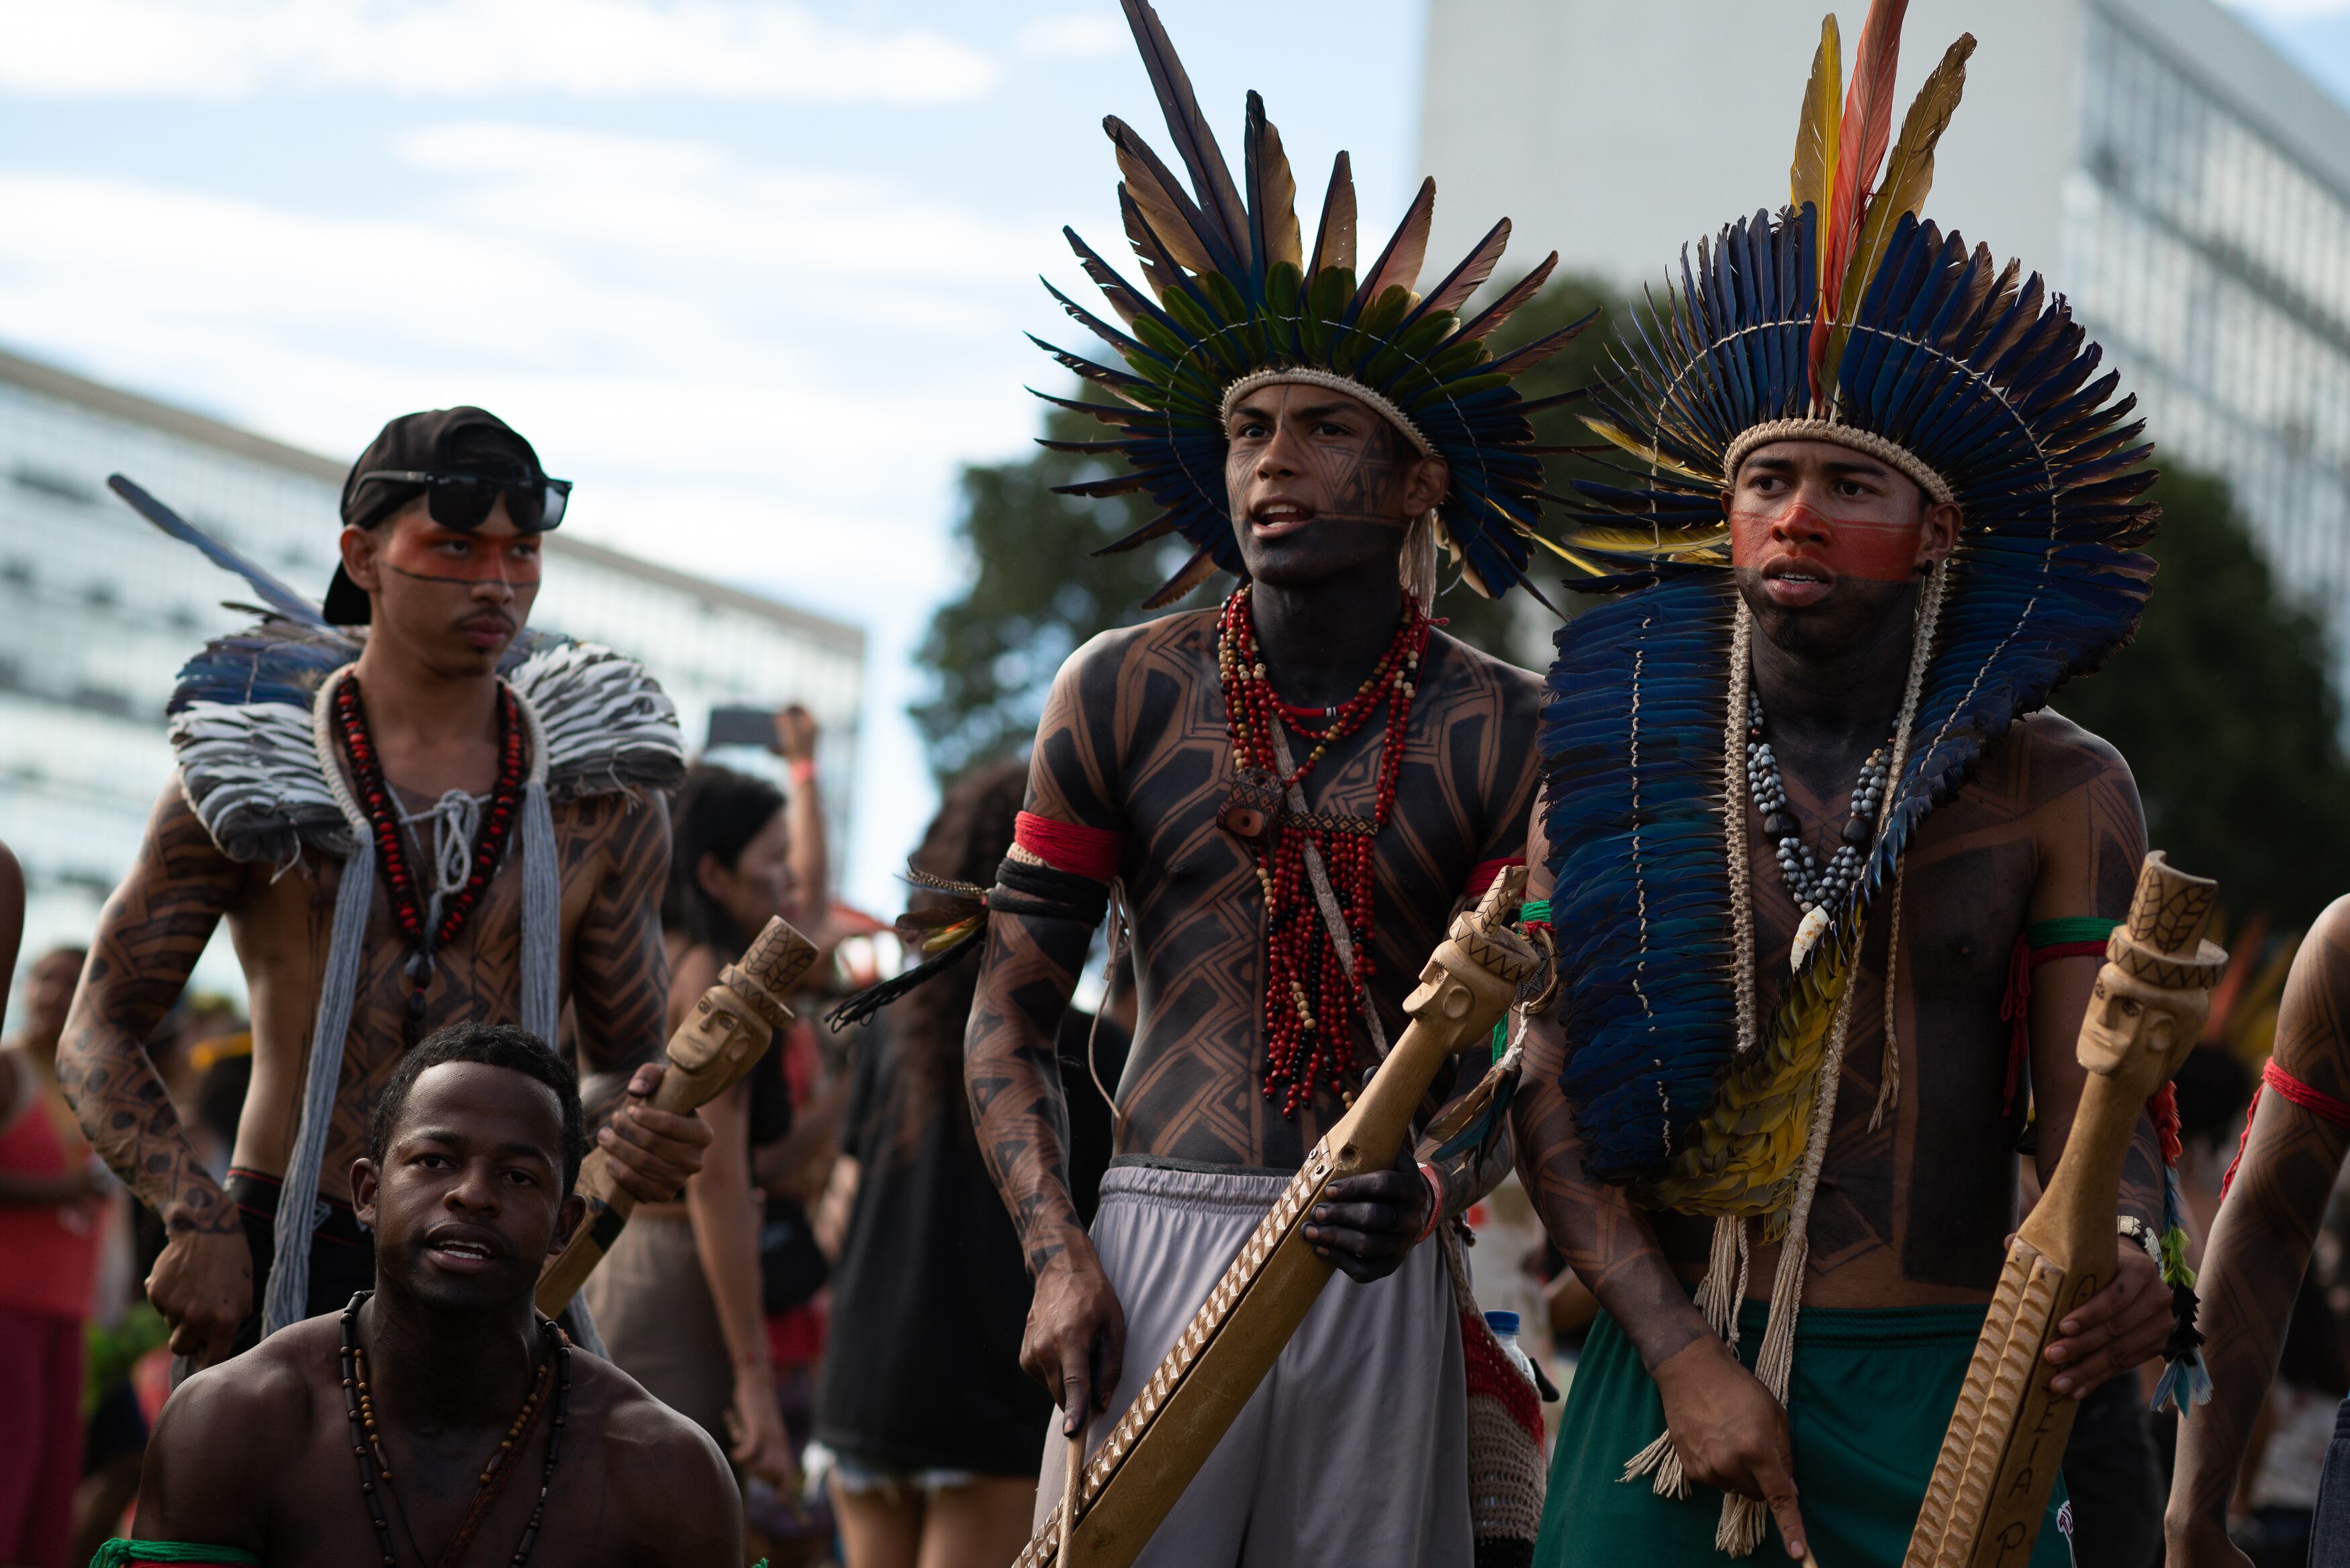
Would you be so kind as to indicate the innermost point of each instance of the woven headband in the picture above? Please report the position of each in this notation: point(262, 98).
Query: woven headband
point(1302, 377)
point(1867, 443)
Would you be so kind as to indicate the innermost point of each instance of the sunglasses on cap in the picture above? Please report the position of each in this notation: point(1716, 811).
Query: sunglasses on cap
point(462, 500)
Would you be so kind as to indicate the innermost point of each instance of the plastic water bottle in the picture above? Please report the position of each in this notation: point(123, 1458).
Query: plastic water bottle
point(1504, 1325)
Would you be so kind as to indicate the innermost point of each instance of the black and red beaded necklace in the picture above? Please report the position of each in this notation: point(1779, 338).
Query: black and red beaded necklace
point(382, 808)
point(1310, 1006)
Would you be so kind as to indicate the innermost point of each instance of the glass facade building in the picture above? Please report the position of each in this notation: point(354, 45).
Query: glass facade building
point(2157, 160)
point(98, 611)
point(2213, 261)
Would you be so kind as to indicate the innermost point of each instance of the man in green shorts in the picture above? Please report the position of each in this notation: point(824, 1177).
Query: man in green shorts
point(1826, 877)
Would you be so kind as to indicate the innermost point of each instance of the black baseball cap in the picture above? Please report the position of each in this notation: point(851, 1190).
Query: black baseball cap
point(463, 439)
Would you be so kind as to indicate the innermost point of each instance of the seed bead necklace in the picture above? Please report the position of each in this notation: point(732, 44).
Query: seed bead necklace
point(1310, 1005)
point(1811, 885)
point(367, 1443)
point(376, 797)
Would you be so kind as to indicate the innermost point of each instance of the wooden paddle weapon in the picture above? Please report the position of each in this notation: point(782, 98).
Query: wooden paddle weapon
point(1127, 1487)
point(2007, 1435)
point(726, 1033)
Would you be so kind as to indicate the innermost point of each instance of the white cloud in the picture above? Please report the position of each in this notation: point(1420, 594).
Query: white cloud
point(769, 49)
point(690, 201)
point(708, 351)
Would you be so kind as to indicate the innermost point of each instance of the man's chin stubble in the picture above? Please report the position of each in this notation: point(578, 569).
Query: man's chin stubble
point(1854, 609)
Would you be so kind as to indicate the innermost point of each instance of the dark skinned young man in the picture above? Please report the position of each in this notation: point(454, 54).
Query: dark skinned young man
point(2257, 1251)
point(1879, 511)
point(434, 564)
point(1324, 471)
point(1914, 1212)
point(466, 1184)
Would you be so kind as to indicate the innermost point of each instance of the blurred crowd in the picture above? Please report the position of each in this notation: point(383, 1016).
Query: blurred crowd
point(838, 1298)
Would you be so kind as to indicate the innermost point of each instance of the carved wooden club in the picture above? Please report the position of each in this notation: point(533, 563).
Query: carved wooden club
point(726, 1033)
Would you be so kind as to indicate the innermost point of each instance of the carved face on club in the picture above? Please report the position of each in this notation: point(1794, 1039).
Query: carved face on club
point(2129, 1019)
point(1318, 483)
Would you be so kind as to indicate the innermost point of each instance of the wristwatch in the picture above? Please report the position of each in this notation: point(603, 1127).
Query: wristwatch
point(2138, 1230)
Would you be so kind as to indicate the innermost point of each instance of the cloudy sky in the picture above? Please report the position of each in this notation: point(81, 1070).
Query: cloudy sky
point(752, 272)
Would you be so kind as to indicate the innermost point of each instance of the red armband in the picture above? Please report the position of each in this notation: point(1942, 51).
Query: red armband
point(1481, 874)
point(2317, 1102)
point(1090, 852)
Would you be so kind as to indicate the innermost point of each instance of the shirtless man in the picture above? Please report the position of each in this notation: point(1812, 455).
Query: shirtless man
point(466, 1183)
point(1912, 1212)
point(1813, 720)
point(441, 565)
point(1151, 768)
point(2257, 1251)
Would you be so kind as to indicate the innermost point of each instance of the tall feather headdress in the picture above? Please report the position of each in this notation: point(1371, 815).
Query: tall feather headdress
point(1847, 319)
point(1234, 300)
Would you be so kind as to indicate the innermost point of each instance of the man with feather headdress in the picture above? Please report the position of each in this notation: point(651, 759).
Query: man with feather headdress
point(1294, 792)
point(442, 817)
point(1829, 882)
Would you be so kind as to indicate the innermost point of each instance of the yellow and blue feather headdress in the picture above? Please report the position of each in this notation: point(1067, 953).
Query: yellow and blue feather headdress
point(1845, 317)
point(1235, 300)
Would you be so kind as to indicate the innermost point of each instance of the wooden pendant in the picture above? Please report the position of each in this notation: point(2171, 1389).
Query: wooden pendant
point(1253, 807)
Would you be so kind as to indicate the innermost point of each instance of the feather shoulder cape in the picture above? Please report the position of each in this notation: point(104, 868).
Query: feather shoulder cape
point(241, 730)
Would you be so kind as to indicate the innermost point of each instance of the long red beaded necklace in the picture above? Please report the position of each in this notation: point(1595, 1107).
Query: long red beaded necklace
point(1310, 1007)
point(383, 818)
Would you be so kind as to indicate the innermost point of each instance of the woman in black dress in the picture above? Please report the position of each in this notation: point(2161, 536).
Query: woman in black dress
point(934, 1432)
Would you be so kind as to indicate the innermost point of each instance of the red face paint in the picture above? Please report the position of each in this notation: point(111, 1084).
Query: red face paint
point(445, 556)
point(1871, 548)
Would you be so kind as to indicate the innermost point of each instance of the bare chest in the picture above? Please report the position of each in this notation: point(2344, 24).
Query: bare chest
point(1195, 1082)
point(320, 1511)
point(282, 928)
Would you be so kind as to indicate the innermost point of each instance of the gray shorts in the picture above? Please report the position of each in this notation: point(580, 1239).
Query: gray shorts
point(1354, 1450)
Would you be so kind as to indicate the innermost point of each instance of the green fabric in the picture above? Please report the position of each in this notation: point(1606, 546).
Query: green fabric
point(2068, 931)
point(1871, 1396)
point(116, 1553)
point(1534, 912)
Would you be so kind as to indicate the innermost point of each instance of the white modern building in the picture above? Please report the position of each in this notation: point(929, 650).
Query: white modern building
point(98, 611)
point(2160, 164)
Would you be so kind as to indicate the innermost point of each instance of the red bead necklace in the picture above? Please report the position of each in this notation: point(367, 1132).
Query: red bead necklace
point(407, 901)
point(1310, 1007)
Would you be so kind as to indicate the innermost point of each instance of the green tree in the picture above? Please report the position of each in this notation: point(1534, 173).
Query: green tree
point(2222, 707)
point(1038, 591)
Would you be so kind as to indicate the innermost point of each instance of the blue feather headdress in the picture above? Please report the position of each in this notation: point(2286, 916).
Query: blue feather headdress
point(1843, 318)
point(1236, 302)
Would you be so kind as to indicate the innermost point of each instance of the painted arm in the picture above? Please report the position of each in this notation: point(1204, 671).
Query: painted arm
point(1727, 1428)
point(1075, 1336)
point(148, 937)
point(619, 995)
point(2091, 839)
point(2260, 1244)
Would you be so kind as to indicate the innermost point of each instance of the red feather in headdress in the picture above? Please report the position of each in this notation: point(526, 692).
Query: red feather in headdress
point(1866, 132)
